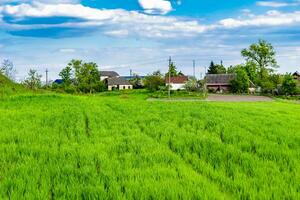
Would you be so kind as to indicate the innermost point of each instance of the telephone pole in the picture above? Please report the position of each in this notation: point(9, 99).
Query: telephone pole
point(194, 65)
point(130, 73)
point(170, 61)
point(47, 77)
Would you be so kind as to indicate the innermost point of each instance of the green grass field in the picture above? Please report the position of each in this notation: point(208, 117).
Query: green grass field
point(124, 147)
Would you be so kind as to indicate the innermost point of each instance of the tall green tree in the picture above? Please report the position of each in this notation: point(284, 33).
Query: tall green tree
point(289, 85)
point(87, 76)
point(173, 70)
point(154, 81)
point(216, 68)
point(66, 76)
point(262, 55)
point(241, 82)
point(33, 81)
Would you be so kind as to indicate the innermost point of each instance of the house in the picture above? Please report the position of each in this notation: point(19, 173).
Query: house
point(118, 83)
point(219, 82)
point(297, 77)
point(176, 82)
point(108, 74)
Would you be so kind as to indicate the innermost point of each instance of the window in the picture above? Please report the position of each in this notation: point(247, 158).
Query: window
point(124, 87)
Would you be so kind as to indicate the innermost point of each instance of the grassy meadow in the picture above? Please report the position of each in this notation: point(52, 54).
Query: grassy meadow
point(121, 146)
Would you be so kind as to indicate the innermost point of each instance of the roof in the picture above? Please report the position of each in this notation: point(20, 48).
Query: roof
point(219, 79)
point(177, 79)
point(109, 73)
point(296, 74)
point(58, 81)
point(117, 81)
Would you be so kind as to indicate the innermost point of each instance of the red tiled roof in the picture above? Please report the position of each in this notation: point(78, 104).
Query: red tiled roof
point(177, 79)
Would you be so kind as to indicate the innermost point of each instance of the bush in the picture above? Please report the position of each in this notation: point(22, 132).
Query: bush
point(289, 85)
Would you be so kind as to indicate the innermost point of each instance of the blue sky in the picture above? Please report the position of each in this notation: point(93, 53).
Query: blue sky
point(141, 34)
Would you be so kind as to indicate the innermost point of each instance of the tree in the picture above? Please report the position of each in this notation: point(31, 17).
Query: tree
point(192, 85)
point(154, 81)
point(87, 76)
point(241, 82)
point(7, 68)
point(172, 70)
point(66, 76)
point(33, 81)
point(136, 81)
point(262, 55)
point(289, 85)
point(216, 68)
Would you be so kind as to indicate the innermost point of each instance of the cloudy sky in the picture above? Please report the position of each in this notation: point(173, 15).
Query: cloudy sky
point(141, 34)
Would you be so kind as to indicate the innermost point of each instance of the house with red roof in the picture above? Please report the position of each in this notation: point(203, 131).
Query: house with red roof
point(176, 82)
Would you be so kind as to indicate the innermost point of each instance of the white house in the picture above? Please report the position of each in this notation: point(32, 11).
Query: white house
point(177, 82)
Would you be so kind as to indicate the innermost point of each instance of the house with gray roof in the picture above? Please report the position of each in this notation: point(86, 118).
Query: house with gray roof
point(219, 82)
point(118, 83)
point(108, 74)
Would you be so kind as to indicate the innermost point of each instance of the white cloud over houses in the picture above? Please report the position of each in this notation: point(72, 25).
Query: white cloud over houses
point(122, 23)
point(156, 6)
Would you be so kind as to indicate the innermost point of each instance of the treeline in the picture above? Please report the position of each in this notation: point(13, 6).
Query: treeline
point(258, 71)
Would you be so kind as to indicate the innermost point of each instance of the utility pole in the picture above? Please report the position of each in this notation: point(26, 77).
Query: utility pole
point(47, 77)
point(130, 73)
point(194, 65)
point(170, 61)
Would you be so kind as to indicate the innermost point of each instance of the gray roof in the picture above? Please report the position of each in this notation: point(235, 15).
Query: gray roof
point(117, 81)
point(219, 79)
point(109, 73)
point(296, 73)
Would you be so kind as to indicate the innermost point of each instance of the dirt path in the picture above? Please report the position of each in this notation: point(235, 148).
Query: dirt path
point(237, 98)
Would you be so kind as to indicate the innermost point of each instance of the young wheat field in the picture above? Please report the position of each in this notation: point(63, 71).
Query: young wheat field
point(123, 147)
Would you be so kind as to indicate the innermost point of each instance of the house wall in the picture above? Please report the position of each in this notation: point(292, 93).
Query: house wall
point(215, 88)
point(176, 86)
point(125, 87)
point(120, 87)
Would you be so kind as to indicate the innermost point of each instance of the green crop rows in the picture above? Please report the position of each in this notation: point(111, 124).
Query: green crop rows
point(124, 147)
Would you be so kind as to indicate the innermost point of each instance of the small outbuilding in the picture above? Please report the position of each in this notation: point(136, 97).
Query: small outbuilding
point(118, 83)
point(177, 82)
point(219, 82)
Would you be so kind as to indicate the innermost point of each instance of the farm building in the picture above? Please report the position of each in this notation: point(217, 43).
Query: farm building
point(297, 77)
point(108, 74)
point(177, 82)
point(219, 82)
point(118, 83)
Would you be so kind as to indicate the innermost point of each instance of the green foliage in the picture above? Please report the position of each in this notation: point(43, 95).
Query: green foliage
point(172, 70)
point(154, 82)
point(9, 88)
point(262, 55)
point(241, 82)
point(136, 81)
point(123, 147)
point(66, 76)
point(33, 81)
point(289, 85)
point(87, 76)
point(192, 85)
point(216, 69)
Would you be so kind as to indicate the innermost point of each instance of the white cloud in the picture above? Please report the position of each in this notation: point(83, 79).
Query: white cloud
point(156, 6)
point(121, 23)
point(275, 4)
point(68, 50)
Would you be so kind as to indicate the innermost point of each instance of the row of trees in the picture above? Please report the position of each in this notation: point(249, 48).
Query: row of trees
point(259, 70)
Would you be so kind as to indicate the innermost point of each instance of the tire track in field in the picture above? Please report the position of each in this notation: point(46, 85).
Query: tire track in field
point(120, 112)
